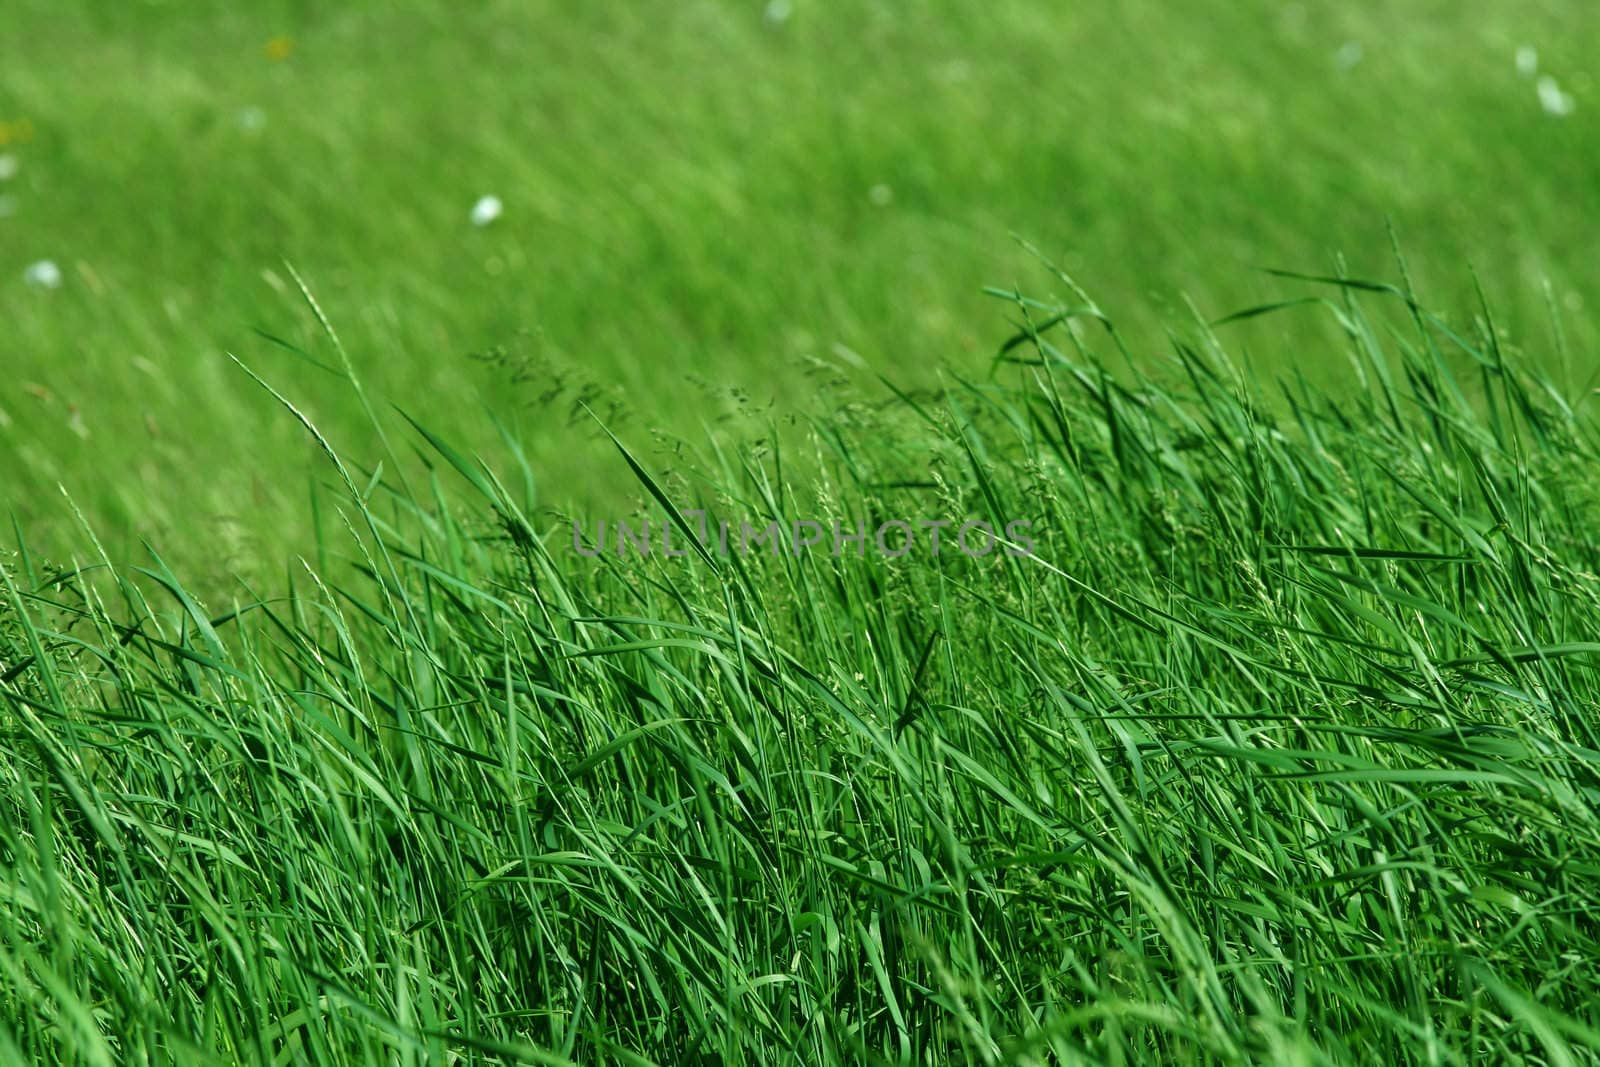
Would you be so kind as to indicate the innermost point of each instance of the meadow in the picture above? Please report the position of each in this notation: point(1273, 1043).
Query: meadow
point(327, 741)
point(704, 210)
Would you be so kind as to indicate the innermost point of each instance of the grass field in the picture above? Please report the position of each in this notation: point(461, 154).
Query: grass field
point(331, 737)
point(1279, 747)
point(700, 204)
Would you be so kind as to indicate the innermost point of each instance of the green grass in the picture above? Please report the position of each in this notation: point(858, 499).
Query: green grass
point(1281, 749)
point(321, 744)
point(689, 222)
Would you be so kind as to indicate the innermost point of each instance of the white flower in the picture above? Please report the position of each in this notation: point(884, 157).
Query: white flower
point(778, 12)
point(881, 195)
point(1349, 55)
point(252, 119)
point(1552, 99)
point(44, 274)
point(8, 166)
point(486, 210)
point(1527, 61)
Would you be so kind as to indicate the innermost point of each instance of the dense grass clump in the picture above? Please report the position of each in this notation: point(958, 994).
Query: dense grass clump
point(1280, 748)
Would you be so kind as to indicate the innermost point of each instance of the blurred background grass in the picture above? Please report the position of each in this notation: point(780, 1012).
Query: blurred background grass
point(706, 203)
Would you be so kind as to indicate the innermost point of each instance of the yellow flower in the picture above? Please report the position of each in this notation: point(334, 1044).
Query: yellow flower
point(280, 48)
point(20, 132)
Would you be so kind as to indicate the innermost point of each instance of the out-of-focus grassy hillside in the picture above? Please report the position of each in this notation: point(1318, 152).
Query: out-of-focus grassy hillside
point(700, 200)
